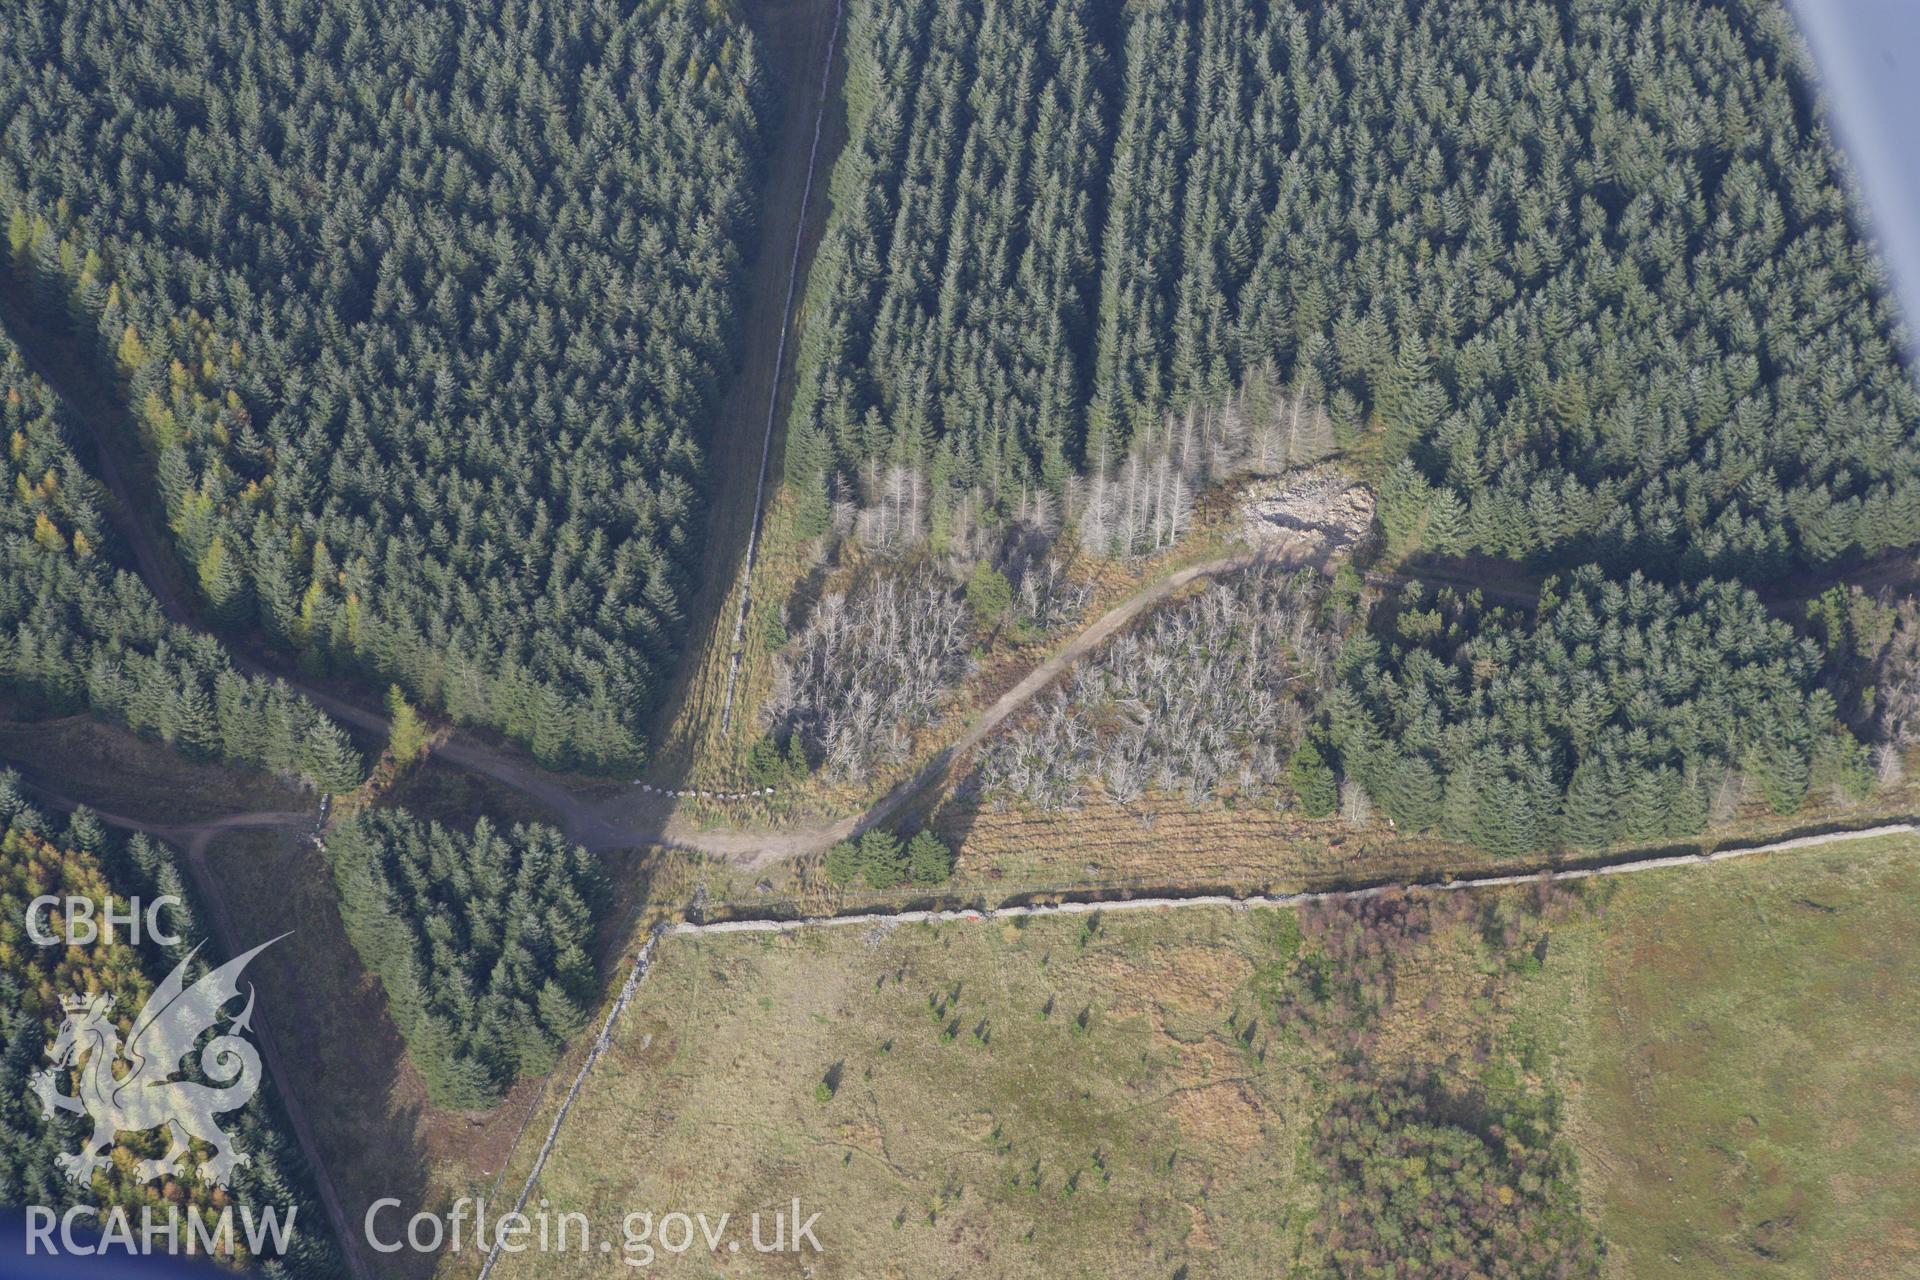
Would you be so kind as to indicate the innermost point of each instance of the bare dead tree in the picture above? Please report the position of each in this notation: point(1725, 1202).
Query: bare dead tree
point(1045, 595)
point(870, 667)
point(1356, 807)
point(895, 521)
point(1204, 696)
point(1145, 503)
point(1896, 679)
point(1888, 769)
point(1727, 795)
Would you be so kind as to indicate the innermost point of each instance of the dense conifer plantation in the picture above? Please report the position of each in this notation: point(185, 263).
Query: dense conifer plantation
point(950, 308)
point(1624, 711)
point(479, 938)
point(39, 855)
point(1585, 268)
point(79, 633)
point(1576, 282)
point(420, 312)
point(1587, 265)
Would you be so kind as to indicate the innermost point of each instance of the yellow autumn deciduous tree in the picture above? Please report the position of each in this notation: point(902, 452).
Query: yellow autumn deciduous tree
point(159, 422)
point(407, 735)
point(19, 233)
point(221, 580)
point(133, 353)
point(47, 533)
point(313, 607)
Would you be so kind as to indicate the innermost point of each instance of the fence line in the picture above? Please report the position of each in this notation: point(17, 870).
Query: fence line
point(1549, 875)
point(600, 1043)
point(773, 394)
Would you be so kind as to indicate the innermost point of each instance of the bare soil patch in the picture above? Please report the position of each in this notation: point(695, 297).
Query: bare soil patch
point(1319, 506)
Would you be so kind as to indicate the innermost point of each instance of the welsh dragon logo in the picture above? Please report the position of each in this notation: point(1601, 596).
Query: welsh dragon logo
point(139, 1096)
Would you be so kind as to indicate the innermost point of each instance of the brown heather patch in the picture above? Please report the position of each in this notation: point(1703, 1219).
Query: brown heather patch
point(1222, 1115)
point(1199, 1237)
point(1184, 979)
point(1440, 1010)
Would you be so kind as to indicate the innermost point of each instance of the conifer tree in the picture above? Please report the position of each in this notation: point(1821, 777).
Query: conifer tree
point(422, 389)
point(1313, 781)
point(479, 940)
point(929, 860)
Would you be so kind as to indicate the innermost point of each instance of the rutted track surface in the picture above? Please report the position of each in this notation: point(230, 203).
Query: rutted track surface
point(754, 849)
point(196, 837)
point(634, 817)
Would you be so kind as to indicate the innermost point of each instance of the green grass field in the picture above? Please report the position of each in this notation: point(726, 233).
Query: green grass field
point(1743, 1064)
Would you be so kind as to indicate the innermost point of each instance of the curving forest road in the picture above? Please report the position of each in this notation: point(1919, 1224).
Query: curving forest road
point(636, 818)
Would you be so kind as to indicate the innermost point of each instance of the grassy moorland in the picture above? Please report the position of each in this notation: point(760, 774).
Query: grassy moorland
point(1025, 1102)
point(1717, 1066)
